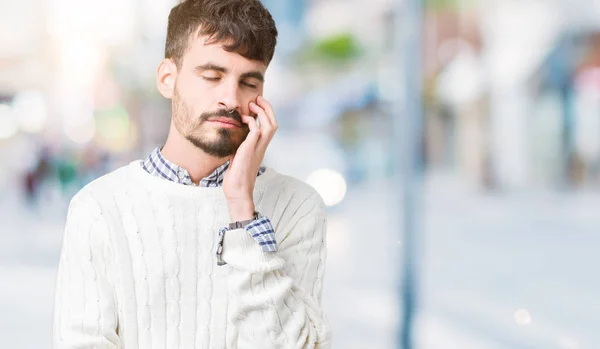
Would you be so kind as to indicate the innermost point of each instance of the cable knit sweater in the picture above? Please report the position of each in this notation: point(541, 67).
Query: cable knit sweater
point(138, 268)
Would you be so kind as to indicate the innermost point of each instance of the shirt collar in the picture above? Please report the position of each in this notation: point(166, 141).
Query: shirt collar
point(157, 165)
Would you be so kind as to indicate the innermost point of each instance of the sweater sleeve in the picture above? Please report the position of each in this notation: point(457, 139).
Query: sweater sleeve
point(275, 297)
point(84, 309)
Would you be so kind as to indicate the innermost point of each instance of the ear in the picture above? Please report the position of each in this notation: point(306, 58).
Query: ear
point(165, 77)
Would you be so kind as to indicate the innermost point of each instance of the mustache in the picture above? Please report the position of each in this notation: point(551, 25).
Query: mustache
point(223, 114)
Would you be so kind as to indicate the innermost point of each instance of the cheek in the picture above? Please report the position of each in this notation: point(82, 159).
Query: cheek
point(250, 97)
point(198, 98)
point(191, 89)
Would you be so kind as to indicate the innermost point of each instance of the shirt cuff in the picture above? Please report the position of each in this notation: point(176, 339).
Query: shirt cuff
point(260, 230)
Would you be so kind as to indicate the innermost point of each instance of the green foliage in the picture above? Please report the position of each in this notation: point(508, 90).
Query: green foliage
point(445, 4)
point(334, 49)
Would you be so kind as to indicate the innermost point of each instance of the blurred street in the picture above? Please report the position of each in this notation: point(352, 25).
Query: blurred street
point(498, 270)
point(499, 102)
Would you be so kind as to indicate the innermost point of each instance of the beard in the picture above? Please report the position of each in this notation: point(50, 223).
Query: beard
point(221, 143)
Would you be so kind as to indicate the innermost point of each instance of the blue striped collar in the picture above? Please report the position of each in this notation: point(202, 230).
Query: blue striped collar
point(157, 165)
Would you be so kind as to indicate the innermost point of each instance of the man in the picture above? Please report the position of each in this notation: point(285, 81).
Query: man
point(199, 246)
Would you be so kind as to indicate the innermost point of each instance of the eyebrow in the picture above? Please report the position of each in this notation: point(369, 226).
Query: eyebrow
point(211, 66)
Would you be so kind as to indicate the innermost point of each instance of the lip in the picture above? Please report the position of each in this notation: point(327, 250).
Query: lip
point(225, 122)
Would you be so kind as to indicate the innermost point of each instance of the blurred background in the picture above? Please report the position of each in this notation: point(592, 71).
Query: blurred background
point(507, 205)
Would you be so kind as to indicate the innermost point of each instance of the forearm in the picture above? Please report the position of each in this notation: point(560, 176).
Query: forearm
point(269, 310)
point(269, 307)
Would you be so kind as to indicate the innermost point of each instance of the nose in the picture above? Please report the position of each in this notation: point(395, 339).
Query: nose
point(229, 97)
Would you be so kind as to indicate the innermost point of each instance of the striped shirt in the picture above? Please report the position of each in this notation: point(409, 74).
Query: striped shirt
point(260, 229)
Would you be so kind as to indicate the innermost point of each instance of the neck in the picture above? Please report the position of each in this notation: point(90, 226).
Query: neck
point(183, 153)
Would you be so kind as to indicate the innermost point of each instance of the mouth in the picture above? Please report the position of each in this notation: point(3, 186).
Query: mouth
point(225, 122)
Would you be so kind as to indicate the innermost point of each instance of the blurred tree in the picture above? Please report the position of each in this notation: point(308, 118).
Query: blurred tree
point(340, 48)
point(446, 4)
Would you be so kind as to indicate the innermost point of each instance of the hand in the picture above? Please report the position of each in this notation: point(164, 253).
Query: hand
point(240, 177)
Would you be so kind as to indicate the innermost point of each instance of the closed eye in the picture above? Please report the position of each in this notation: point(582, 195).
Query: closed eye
point(210, 78)
point(249, 85)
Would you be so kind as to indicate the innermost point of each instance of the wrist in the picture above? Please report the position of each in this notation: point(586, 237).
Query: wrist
point(240, 210)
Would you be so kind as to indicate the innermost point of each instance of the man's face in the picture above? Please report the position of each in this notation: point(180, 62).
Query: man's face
point(213, 87)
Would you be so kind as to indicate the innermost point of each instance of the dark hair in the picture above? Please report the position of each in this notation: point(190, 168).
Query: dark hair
point(245, 25)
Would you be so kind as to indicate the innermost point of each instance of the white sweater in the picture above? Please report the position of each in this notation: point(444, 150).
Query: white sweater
point(138, 268)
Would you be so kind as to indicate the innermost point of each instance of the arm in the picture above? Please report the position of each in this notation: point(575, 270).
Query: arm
point(84, 310)
point(275, 298)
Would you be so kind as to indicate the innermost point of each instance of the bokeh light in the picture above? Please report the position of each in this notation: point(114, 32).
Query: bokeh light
point(81, 132)
point(522, 317)
point(31, 111)
point(113, 128)
point(8, 125)
point(330, 184)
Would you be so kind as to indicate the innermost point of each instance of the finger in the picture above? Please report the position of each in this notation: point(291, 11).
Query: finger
point(266, 129)
point(254, 133)
point(251, 122)
point(265, 122)
point(262, 102)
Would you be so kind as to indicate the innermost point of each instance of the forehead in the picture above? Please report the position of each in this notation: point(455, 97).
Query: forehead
point(200, 51)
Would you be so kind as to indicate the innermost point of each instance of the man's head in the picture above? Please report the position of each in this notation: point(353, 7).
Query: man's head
point(216, 55)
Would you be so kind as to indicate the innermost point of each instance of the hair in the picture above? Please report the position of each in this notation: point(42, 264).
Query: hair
point(243, 26)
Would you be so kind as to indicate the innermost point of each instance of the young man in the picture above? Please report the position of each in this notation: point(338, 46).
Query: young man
point(198, 245)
